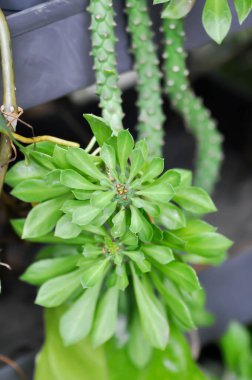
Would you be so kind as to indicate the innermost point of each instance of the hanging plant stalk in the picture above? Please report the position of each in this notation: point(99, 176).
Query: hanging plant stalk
point(103, 51)
point(9, 96)
point(191, 108)
point(151, 117)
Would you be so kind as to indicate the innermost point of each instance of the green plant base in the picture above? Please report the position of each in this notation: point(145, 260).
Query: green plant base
point(109, 362)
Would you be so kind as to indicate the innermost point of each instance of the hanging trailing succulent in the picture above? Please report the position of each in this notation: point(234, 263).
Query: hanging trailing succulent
point(196, 116)
point(146, 64)
point(103, 51)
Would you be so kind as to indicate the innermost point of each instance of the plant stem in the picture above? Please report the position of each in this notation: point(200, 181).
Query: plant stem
point(103, 51)
point(9, 96)
point(197, 118)
point(151, 117)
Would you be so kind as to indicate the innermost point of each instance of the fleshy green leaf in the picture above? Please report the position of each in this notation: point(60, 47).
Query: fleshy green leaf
point(178, 8)
point(152, 316)
point(74, 180)
point(149, 207)
point(173, 241)
point(43, 270)
point(136, 163)
point(65, 229)
point(143, 146)
point(100, 199)
point(208, 244)
point(122, 278)
point(183, 275)
point(185, 177)
point(139, 224)
point(82, 161)
point(217, 19)
point(139, 258)
point(119, 224)
point(194, 227)
point(125, 144)
point(100, 128)
point(43, 218)
point(172, 217)
point(106, 317)
point(243, 8)
point(108, 155)
point(157, 192)
point(56, 291)
point(161, 254)
point(22, 171)
point(174, 301)
point(153, 170)
point(37, 190)
point(194, 199)
point(95, 273)
point(77, 322)
point(84, 214)
point(172, 177)
point(138, 348)
point(59, 157)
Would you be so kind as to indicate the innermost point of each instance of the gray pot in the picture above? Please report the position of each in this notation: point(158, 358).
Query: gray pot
point(51, 45)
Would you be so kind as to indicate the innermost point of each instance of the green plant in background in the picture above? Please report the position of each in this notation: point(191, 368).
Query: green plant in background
point(151, 117)
point(236, 347)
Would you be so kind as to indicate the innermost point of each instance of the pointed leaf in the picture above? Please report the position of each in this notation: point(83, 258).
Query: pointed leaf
point(194, 199)
point(157, 192)
point(136, 163)
point(125, 144)
point(82, 161)
point(56, 291)
point(172, 217)
point(177, 9)
point(154, 169)
point(217, 19)
point(101, 199)
point(95, 273)
point(84, 214)
point(183, 275)
point(59, 157)
point(37, 190)
point(161, 254)
point(43, 270)
point(66, 229)
point(100, 128)
point(22, 171)
point(119, 224)
point(106, 317)
point(74, 180)
point(42, 218)
point(77, 322)
point(153, 319)
point(108, 155)
point(208, 244)
point(243, 8)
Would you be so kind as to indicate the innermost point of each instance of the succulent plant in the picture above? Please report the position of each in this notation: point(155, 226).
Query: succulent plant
point(126, 227)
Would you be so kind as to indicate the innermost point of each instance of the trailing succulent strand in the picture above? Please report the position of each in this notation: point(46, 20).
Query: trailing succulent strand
point(119, 227)
point(195, 114)
point(103, 51)
point(146, 62)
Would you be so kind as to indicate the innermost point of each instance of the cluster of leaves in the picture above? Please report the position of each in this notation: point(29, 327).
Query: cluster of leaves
point(129, 226)
point(217, 15)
